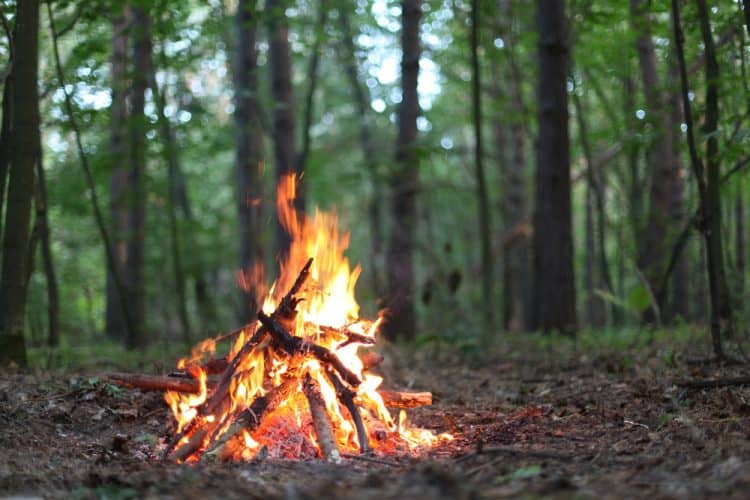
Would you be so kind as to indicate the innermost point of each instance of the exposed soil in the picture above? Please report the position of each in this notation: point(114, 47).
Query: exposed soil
point(529, 422)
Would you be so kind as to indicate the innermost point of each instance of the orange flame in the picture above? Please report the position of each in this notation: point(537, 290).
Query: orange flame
point(328, 309)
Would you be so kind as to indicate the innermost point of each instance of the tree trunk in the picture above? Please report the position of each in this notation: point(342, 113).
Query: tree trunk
point(249, 152)
point(680, 303)
point(554, 291)
point(656, 238)
point(118, 145)
point(369, 152)
point(173, 169)
point(280, 67)
point(740, 248)
point(483, 203)
point(402, 320)
point(708, 178)
point(720, 299)
point(312, 82)
point(6, 137)
point(42, 221)
point(135, 274)
point(596, 278)
point(25, 152)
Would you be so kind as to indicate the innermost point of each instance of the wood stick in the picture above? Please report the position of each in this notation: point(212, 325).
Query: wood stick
point(396, 399)
point(346, 396)
point(321, 421)
point(154, 382)
point(392, 399)
point(712, 383)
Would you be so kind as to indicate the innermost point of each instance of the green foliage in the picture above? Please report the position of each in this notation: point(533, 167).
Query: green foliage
point(193, 44)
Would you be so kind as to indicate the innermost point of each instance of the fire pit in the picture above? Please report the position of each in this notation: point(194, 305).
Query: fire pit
point(294, 383)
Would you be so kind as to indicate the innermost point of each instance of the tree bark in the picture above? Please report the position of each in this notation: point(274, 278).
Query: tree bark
point(280, 67)
point(135, 272)
point(483, 203)
point(597, 277)
point(402, 320)
point(369, 152)
point(173, 168)
point(516, 279)
point(249, 151)
point(118, 148)
point(5, 132)
point(707, 178)
point(740, 248)
point(42, 221)
point(25, 152)
point(312, 83)
point(656, 237)
point(554, 293)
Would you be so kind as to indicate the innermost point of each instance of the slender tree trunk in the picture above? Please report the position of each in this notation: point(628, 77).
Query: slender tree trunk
point(13, 283)
point(280, 66)
point(632, 153)
point(249, 152)
point(5, 136)
point(740, 248)
point(554, 294)
point(680, 303)
point(53, 295)
point(708, 178)
point(369, 152)
point(595, 227)
point(173, 168)
point(483, 202)
point(118, 146)
point(312, 83)
point(655, 240)
point(402, 320)
point(516, 279)
point(135, 275)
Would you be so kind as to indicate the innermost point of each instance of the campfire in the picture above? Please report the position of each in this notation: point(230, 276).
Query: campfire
point(294, 383)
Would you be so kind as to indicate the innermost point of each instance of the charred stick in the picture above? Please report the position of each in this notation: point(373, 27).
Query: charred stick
point(346, 396)
point(194, 444)
point(321, 421)
point(296, 345)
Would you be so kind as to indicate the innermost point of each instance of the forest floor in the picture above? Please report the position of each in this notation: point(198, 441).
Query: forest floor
point(530, 419)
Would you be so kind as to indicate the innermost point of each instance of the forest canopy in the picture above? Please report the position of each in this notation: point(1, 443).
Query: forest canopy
point(503, 166)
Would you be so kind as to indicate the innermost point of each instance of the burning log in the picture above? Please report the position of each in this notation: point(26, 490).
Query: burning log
point(321, 421)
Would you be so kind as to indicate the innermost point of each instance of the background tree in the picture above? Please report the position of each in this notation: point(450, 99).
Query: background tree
point(402, 321)
point(554, 284)
point(24, 157)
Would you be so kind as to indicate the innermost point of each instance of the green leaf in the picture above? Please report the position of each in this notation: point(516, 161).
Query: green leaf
point(639, 298)
point(526, 472)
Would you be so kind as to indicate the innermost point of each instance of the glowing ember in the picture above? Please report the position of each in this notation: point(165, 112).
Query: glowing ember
point(294, 380)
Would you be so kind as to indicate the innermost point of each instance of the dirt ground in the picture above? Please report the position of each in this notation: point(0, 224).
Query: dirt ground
point(535, 422)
